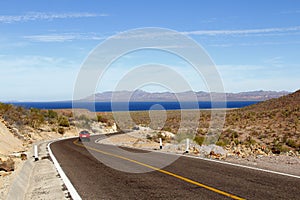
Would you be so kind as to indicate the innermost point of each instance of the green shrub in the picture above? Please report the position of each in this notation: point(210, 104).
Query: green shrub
point(61, 130)
point(63, 121)
point(199, 139)
point(222, 142)
point(291, 143)
point(279, 148)
point(52, 114)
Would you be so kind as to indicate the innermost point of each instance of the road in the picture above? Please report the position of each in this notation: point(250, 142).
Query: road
point(186, 178)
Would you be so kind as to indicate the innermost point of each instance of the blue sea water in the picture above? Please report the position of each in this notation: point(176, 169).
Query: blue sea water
point(134, 106)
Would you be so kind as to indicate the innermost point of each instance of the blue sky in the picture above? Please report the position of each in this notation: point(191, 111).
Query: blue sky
point(254, 44)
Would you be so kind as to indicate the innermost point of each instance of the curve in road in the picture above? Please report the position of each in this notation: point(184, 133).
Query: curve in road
point(185, 178)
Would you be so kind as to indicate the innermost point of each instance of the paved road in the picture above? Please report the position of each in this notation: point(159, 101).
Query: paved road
point(186, 178)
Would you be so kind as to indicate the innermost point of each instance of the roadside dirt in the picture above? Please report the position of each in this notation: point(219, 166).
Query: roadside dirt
point(44, 181)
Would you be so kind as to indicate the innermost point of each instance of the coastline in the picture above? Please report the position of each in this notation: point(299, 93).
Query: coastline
point(136, 106)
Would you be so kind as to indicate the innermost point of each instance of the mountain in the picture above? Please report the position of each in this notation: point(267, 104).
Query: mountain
point(140, 95)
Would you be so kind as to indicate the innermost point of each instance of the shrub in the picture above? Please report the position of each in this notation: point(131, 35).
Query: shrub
point(222, 142)
point(63, 121)
point(61, 130)
point(101, 119)
point(149, 137)
point(291, 143)
point(199, 139)
point(52, 114)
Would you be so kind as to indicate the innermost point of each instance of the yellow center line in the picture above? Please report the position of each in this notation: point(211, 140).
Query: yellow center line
point(162, 171)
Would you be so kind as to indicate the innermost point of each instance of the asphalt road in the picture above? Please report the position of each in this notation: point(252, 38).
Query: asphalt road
point(186, 178)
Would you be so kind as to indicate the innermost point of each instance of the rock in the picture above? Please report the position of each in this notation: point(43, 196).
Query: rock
point(169, 135)
point(214, 155)
point(44, 128)
point(7, 164)
point(213, 151)
point(291, 153)
point(195, 150)
point(23, 156)
point(3, 173)
point(260, 152)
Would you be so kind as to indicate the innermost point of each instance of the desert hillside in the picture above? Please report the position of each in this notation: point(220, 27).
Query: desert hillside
point(20, 128)
point(273, 125)
point(8, 143)
point(288, 102)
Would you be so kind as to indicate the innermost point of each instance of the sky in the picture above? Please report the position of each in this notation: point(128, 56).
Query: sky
point(254, 44)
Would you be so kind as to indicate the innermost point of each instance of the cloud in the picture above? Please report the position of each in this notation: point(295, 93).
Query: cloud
point(243, 31)
point(276, 61)
point(34, 16)
point(64, 37)
point(23, 63)
point(254, 44)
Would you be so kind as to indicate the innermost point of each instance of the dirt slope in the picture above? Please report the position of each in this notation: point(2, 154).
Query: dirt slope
point(9, 143)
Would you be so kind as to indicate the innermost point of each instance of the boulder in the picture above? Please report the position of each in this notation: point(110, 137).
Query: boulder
point(7, 164)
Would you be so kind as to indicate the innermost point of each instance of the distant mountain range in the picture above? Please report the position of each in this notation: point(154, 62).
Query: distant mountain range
point(140, 95)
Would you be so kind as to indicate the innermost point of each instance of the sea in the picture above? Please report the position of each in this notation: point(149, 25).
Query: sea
point(134, 106)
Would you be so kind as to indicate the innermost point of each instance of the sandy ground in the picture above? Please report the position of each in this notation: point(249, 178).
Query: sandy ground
point(9, 143)
point(136, 139)
point(6, 178)
point(44, 182)
point(34, 180)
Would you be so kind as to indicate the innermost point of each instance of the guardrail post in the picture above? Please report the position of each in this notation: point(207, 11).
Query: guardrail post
point(36, 153)
point(160, 143)
point(187, 145)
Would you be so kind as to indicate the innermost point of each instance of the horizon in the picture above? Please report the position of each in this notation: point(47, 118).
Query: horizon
point(68, 100)
point(254, 45)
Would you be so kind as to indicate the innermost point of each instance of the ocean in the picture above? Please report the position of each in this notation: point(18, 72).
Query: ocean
point(134, 106)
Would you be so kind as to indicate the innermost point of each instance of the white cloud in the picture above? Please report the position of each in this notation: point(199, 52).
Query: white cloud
point(243, 31)
point(64, 37)
point(276, 61)
point(254, 44)
point(240, 67)
point(32, 62)
point(33, 16)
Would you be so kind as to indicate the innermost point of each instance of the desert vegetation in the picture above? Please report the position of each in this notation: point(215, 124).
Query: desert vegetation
point(23, 122)
point(273, 125)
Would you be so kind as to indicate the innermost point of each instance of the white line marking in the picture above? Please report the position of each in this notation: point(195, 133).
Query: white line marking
point(245, 166)
point(211, 160)
point(62, 174)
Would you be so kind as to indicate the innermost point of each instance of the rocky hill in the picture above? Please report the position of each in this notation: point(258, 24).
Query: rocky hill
point(274, 123)
point(289, 102)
